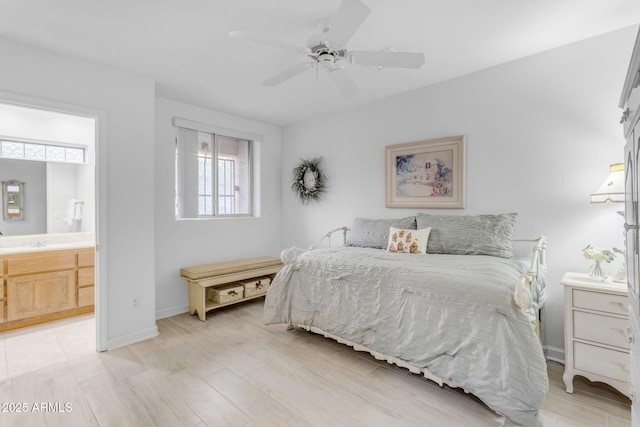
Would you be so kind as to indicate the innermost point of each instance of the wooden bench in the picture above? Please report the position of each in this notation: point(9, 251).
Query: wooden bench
point(202, 279)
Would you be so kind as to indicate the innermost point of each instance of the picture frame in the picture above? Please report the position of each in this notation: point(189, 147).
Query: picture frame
point(426, 174)
point(12, 200)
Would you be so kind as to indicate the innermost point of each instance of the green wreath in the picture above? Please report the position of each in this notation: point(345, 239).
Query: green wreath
point(308, 180)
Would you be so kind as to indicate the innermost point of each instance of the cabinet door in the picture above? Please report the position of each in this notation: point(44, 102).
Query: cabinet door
point(38, 294)
point(86, 296)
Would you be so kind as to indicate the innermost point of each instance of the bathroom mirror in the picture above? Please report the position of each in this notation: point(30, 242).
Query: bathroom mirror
point(12, 195)
point(48, 197)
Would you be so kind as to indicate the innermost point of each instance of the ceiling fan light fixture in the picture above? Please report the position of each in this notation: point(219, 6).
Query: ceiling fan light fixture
point(324, 58)
point(327, 49)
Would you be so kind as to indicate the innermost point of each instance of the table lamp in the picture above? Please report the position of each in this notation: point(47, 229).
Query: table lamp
point(612, 190)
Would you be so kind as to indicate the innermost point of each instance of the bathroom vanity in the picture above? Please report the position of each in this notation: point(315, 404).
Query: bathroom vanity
point(40, 284)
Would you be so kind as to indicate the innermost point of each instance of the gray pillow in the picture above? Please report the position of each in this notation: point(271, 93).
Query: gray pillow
point(470, 234)
point(374, 233)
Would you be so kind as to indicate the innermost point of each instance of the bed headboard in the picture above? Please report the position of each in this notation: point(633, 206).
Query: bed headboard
point(344, 230)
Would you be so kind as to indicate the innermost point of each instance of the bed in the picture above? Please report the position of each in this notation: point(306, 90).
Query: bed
point(463, 313)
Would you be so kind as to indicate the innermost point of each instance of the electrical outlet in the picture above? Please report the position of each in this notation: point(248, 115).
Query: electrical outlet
point(135, 302)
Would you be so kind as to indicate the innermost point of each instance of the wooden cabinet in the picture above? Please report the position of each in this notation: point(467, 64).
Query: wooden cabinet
point(47, 285)
point(40, 262)
point(86, 278)
point(36, 294)
point(596, 331)
point(630, 104)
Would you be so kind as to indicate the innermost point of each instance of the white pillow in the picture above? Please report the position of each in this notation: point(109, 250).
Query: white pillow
point(408, 241)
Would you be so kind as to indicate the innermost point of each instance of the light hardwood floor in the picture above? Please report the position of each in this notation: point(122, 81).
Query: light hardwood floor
point(234, 371)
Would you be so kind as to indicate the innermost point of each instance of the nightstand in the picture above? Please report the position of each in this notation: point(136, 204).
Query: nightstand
point(596, 326)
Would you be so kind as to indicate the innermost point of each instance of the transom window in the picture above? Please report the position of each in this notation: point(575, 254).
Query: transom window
point(44, 152)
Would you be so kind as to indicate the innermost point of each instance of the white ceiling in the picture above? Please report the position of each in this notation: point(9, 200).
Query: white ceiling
point(184, 45)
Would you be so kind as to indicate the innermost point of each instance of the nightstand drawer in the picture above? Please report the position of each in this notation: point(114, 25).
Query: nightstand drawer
point(602, 361)
point(598, 301)
point(600, 329)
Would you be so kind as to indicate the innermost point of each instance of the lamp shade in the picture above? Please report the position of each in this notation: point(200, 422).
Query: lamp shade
point(612, 189)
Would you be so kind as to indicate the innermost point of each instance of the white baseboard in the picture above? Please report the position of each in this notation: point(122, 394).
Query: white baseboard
point(172, 311)
point(555, 354)
point(135, 337)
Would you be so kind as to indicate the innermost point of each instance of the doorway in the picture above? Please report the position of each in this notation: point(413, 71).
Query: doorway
point(52, 150)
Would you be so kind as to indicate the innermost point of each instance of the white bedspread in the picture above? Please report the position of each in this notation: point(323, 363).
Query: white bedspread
point(452, 314)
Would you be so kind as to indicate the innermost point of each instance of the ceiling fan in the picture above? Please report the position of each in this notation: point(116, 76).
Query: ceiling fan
point(327, 49)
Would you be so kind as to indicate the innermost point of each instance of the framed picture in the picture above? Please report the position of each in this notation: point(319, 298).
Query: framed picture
point(426, 174)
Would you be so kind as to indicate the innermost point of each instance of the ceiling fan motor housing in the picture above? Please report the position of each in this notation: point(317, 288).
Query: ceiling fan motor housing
point(325, 55)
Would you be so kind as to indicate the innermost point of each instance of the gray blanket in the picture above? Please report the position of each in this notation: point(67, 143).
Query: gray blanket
point(451, 314)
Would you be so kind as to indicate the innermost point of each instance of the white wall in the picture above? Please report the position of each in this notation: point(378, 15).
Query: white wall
point(43, 125)
point(188, 242)
point(85, 185)
point(125, 167)
point(541, 133)
point(67, 182)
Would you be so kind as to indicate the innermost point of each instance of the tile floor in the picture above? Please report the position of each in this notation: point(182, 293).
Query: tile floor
point(35, 347)
point(233, 370)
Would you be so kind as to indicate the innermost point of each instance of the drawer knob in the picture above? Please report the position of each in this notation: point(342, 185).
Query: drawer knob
point(629, 336)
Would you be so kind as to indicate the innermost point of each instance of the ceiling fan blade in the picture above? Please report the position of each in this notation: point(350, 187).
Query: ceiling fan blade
point(245, 35)
point(286, 75)
point(351, 14)
point(388, 59)
point(344, 82)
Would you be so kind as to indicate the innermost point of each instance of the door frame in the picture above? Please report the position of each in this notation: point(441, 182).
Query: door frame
point(100, 191)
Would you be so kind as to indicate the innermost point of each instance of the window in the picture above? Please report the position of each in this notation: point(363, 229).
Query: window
point(41, 151)
point(213, 171)
point(226, 186)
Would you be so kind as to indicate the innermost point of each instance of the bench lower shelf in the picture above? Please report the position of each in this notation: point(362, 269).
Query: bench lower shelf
point(212, 305)
point(199, 303)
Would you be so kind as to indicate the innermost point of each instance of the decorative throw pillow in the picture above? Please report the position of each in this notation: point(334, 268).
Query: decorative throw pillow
point(374, 233)
point(470, 234)
point(408, 241)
